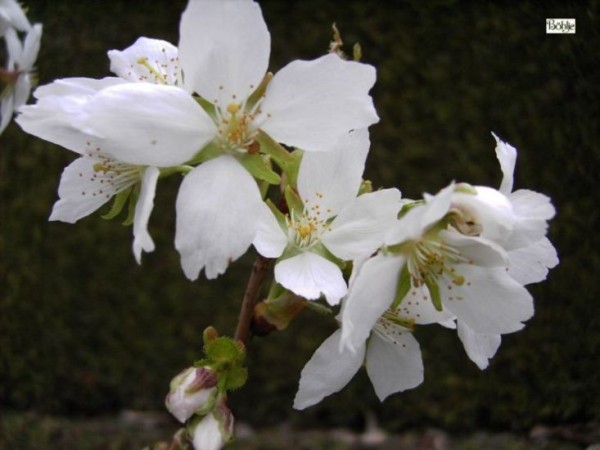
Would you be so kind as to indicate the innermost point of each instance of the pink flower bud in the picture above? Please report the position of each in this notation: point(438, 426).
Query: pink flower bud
point(192, 391)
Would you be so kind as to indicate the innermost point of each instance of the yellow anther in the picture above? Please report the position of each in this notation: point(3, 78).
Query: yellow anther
point(458, 280)
point(233, 108)
point(305, 230)
point(99, 167)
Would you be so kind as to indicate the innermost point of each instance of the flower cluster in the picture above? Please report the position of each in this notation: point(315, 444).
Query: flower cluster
point(276, 161)
point(18, 76)
point(460, 259)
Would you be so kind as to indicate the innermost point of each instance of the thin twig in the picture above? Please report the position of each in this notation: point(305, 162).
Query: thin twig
point(260, 270)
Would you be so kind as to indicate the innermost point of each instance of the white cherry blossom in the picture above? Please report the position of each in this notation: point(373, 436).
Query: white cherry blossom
point(19, 72)
point(331, 220)
point(523, 215)
point(111, 164)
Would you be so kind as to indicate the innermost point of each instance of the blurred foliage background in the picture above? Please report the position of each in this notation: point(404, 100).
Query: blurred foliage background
point(84, 330)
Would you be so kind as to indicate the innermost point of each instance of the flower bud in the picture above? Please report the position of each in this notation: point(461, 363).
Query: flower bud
point(192, 391)
point(276, 314)
point(215, 429)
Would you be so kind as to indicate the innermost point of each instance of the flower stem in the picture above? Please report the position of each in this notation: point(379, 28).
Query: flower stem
point(260, 270)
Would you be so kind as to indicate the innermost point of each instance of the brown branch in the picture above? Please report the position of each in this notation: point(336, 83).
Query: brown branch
point(260, 270)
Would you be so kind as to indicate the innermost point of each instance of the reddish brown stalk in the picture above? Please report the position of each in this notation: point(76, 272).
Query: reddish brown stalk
point(260, 270)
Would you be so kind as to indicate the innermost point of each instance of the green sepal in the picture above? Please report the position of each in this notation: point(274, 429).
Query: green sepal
point(209, 151)
point(289, 252)
point(259, 92)
point(366, 187)
point(268, 146)
point(319, 308)
point(204, 362)
point(133, 198)
point(434, 292)
point(258, 167)
point(281, 219)
point(293, 200)
point(232, 378)
point(323, 251)
point(356, 52)
point(408, 206)
point(206, 106)
point(292, 168)
point(465, 188)
point(118, 204)
point(404, 285)
point(168, 171)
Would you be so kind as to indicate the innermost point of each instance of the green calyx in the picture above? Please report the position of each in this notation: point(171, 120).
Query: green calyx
point(226, 357)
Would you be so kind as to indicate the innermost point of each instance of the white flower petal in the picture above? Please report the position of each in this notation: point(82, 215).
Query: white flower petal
point(270, 240)
point(332, 179)
point(132, 63)
point(532, 205)
point(530, 264)
point(418, 307)
point(489, 301)
point(480, 347)
point(312, 104)
point(482, 252)
point(57, 115)
point(534, 210)
point(143, 209)
point(224, 49)
point(7, 108)
point(371, 294)
point(490, 209)
point(14, 48)
point(359, 229)
point(12, 15)
point(78, 87)
point(420, 218)
point(218, 208)
point(148, 124)
point(207, 435)
point(394, 362)
point(327, 371)
point(507, 157)
point(308, 275)
point(31, 48)
point(83, 189)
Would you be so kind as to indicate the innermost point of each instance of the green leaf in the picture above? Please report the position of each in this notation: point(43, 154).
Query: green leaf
point(234, 378)
point(118, 204)
point(204, 362)
point(258, 167)
point(224, 350)
point(402, 288)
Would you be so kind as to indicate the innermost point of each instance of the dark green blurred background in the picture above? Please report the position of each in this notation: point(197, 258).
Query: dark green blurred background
point(84, 330)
